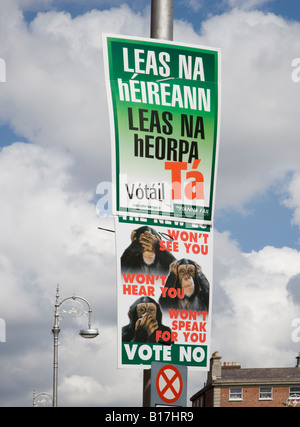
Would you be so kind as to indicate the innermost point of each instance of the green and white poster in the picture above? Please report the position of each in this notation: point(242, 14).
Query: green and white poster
point(164, 101)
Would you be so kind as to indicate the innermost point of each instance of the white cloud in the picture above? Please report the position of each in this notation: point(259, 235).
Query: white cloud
point(55, 91)
point(49, 235)
point(94, 380)
point(259, 102)
point(293, 199)
point(247, 4)
point(293, 288)
point(255, 326)
point(45, 220)
point(195, 5)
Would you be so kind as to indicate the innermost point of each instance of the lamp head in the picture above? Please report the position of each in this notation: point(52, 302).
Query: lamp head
point(89, 333)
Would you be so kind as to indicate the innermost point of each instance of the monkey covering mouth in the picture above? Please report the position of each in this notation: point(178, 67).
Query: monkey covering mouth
point(146, 313)
point(145, 320)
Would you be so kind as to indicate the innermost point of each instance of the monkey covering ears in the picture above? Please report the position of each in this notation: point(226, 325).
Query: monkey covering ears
point(187, 276)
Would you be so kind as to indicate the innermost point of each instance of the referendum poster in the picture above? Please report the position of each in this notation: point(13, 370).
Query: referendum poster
point(164, 102)
point(164, 289)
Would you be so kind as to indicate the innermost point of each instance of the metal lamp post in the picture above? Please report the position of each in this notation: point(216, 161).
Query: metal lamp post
point(162, 15)
point(85, 333)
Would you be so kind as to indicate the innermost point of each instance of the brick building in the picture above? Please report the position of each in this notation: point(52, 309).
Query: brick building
point(229, 385)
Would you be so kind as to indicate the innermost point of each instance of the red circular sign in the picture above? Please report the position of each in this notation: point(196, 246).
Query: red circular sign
point(169, 384)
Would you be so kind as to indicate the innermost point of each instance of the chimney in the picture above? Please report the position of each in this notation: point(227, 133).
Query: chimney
point(231, 365)
point(215, 367)
point(298, 361)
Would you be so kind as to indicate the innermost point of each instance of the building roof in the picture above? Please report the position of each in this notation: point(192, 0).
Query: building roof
point(232, 374)
point(258, 374)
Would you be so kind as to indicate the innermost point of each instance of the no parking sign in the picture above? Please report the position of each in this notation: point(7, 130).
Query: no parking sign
point(168, 384)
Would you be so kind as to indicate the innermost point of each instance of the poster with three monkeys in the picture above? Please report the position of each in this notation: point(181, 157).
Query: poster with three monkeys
point(164, 288)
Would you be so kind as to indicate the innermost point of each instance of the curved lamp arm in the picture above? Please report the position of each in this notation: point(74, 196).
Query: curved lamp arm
point(85, 333)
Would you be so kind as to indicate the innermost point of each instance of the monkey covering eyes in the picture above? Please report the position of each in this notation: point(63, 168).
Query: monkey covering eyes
point(143, 254)
point(145, 318)
point(187, 276)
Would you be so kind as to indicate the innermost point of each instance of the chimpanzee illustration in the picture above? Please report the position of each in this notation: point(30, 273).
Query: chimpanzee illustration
point(143, 254)
point(145, 320)
point(187, 276)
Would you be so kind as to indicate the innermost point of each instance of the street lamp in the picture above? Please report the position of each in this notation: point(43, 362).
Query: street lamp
point(293, 400)
point(42, 398)
point(75, 311)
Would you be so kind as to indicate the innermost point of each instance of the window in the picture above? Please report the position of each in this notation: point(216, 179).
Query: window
point(236, 393)
point(295, 391)
point(265, 393)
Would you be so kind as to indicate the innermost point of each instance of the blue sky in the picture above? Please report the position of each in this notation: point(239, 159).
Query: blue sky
point(265, 222)
point(193, 11)
point(288, 9)
point(55, 150)
point(183, 9)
